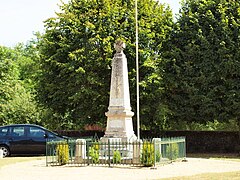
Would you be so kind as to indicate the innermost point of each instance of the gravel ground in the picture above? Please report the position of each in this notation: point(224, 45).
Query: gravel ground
point(35, 170)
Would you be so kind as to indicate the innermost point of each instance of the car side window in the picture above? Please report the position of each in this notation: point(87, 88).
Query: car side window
point(17, 131)
point(3, 131)
point(36, 132)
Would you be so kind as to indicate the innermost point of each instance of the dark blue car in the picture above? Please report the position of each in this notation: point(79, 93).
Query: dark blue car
point(25, 139)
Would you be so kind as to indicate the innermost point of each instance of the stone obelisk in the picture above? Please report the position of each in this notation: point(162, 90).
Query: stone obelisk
point(119, 115)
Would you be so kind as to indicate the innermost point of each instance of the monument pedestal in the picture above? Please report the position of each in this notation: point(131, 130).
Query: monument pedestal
point(119, 125)
point(119, 133)
point(119, 115)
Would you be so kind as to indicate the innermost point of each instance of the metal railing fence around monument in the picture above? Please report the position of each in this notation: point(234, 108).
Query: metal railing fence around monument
point(81, 152)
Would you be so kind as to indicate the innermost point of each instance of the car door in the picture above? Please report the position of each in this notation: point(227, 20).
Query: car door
point(17, 140)
point(37, 140)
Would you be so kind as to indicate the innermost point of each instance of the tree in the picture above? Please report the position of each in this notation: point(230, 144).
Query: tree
point(17, 97)
point(76, 52)
point(202, 67)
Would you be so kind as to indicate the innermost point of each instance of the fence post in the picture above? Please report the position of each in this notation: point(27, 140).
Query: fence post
point(157, 149)
point(154, 149)
point(136, 151)
point(80, 150)
point(47, 152)
point(87, 147)
point(184, 141)
point(170, 143)
point(109, 153)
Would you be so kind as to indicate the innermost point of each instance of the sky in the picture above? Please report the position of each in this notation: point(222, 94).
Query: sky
point(20, 19)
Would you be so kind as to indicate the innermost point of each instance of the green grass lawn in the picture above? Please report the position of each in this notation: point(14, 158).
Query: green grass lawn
point(13, 160)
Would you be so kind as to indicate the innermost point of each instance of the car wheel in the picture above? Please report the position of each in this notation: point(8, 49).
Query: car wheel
point(6, 151)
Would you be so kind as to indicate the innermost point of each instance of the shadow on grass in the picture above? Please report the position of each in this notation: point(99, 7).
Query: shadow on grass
point(214, 156)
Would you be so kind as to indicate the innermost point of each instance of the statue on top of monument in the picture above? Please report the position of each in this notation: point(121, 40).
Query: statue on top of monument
point(119, 46)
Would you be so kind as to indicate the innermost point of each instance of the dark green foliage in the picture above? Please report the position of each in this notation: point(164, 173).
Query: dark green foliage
point(76, 53)
point(202, 63)
point(17, 81)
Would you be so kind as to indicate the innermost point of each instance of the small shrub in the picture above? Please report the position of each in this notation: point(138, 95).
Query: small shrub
point(172, 151)
point(116, 157)
point(62, 152)
point(158, 156)
point(96, 146)
point(147, 158)
point(94, 154)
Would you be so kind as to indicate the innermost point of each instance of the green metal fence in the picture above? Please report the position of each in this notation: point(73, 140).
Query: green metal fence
point(80, 152)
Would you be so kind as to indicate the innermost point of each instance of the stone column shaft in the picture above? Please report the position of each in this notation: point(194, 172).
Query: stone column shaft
point(119, 115)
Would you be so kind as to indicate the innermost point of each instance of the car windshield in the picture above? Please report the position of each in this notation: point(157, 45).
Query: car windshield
point(53, 134)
